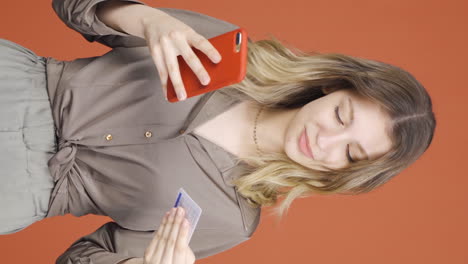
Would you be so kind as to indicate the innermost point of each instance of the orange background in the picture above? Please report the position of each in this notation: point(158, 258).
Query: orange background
point(420, 216)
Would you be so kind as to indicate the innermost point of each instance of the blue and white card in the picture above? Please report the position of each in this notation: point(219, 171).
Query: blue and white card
point(192, 210)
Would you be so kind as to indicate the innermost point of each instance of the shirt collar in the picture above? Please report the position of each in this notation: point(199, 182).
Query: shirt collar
point(209, 106)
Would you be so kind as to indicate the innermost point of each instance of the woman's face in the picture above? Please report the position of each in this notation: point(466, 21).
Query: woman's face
point(340, 128)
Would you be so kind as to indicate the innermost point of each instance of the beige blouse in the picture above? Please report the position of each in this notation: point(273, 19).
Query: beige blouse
point(124, 151)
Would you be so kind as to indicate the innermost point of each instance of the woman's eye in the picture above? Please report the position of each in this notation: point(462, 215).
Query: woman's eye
point(338, 115)
point(348, 155)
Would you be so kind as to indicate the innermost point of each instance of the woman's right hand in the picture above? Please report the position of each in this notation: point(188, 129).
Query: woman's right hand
point(168, 37)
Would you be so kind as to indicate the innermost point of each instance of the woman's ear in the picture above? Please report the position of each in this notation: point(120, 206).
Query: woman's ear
point(328, 89)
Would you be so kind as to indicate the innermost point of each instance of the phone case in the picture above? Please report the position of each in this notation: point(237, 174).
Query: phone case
point(230, 70)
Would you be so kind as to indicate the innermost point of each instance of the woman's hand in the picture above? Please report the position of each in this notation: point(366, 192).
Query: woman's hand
point(170, 245)
point(168, 37)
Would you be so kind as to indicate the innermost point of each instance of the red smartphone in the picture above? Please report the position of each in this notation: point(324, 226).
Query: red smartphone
point(230, 70)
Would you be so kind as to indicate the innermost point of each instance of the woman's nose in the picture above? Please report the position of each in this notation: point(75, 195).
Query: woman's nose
point(327, 140)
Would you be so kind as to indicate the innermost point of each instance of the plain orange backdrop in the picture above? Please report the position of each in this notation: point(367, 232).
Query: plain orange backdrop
point(420, 216)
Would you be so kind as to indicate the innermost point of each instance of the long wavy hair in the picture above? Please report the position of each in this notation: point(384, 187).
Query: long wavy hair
point(284, 78)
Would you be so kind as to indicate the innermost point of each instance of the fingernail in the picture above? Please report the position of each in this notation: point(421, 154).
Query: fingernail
point(173, 211)
point(206, 80)
point(185, 223)
point(179, 211)
point(217, 58)
point(181, 96)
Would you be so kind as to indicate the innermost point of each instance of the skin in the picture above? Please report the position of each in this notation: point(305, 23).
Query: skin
point(328, 137)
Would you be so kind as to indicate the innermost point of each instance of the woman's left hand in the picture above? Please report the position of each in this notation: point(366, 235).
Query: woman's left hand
point(170, 245)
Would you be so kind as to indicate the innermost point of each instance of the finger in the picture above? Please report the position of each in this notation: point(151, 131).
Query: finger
point(182, 249)
point(158, 58)
point(185, 228)
point(154, 242)
point(158, 254)
point(173, 235)
point(172, 66)
point(191, 58)
point(190, 257)
point(204, 45)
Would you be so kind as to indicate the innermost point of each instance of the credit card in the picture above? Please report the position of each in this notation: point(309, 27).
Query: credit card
point(192, 210)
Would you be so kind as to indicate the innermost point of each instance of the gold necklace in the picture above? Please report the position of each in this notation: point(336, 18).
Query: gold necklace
point(255, 130)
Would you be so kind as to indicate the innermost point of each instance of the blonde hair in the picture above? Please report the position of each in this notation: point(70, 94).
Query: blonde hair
point(278, 78)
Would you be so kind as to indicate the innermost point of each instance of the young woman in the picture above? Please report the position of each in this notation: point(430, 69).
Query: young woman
point(298, 124)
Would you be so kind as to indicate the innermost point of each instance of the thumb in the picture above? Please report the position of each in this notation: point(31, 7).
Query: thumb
point(189, 256)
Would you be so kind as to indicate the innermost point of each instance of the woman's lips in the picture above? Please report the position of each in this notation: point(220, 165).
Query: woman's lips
point(304, 144)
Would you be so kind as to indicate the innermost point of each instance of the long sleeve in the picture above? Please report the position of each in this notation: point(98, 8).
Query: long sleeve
point(110, 244)
point(80, 15)
point(106, 245)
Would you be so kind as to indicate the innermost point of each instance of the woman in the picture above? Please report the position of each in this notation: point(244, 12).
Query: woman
point(296, 125)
